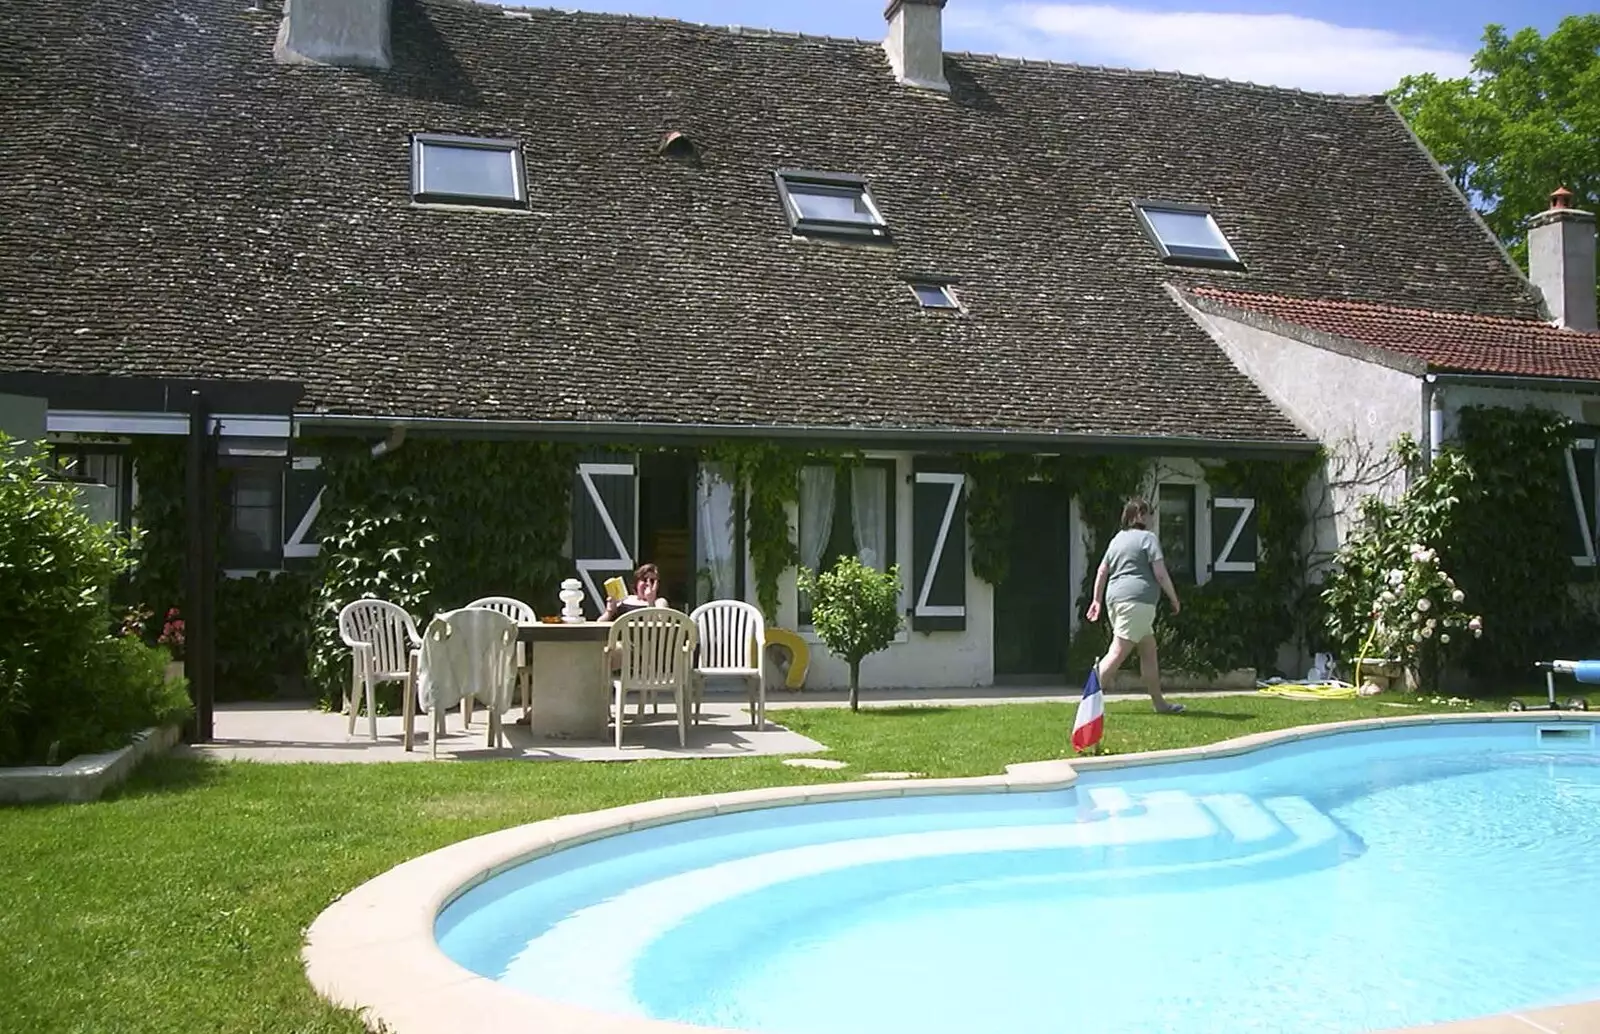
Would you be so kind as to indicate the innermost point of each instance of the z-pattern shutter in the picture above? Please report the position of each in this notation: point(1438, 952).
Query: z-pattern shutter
point(939, 546)
point(604, 526)
point(1234, 545)
point(1580, 479)
point(302, 504)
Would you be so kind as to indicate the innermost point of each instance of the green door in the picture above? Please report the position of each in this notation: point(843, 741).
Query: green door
point(1033, 607)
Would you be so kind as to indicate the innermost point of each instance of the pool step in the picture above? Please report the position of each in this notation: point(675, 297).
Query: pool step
point(1245, 820)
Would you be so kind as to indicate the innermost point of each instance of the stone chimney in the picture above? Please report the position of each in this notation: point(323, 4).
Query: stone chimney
point(1561, 261)
point(352, 33)
point(916, 42)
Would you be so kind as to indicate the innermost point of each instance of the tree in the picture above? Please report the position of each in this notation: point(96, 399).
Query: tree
point(856, 612)
point(1526, 121)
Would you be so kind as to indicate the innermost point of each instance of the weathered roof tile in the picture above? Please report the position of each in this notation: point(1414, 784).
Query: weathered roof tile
point(196, 209)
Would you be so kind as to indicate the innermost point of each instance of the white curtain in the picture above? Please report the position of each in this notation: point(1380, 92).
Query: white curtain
point(869, 514)
point(715, 547)
point(816, 513)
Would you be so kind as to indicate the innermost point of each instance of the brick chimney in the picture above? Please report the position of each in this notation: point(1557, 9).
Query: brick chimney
point(1561, 261)
point(353, 33)
point(916, 42)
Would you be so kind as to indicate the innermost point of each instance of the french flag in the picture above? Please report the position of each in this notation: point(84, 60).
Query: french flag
point(1091, 720)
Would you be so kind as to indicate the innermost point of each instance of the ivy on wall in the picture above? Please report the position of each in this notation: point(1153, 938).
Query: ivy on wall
point(770, 475)
point(432, 526)
point(1241, 622)
point(261, 625)
point(1227, 623)
point(1495, 505)
point(996, 479)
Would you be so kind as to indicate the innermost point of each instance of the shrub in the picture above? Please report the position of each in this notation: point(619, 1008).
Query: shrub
point(66, 684)
point(856, 612)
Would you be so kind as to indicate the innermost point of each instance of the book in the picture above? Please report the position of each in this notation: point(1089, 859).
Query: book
point(615, 589)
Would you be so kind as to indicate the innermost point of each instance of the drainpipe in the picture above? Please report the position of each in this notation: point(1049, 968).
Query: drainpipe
point(1435, 396)
point(397, 435)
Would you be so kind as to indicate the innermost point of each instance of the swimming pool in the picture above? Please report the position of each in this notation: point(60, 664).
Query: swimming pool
point(1403, 874)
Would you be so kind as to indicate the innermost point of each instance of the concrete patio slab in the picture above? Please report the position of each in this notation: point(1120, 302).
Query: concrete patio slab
point(291, 732)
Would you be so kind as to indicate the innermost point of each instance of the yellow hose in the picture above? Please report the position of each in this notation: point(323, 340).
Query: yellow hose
point(1364, 647)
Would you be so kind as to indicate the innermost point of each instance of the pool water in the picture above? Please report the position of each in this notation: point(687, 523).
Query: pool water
point(1348, 883)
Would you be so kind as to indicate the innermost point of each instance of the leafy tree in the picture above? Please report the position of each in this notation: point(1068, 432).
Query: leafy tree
point(856, 612)
point(1527, 120)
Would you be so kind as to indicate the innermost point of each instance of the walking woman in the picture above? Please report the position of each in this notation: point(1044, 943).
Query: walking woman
point(1127, 586)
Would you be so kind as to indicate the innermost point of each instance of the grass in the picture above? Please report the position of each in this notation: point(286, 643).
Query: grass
point(177, 905)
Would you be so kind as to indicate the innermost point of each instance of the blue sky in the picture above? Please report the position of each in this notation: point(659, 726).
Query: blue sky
point(1342, 46)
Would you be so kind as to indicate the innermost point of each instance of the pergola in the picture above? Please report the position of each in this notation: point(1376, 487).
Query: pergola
point(219, 418)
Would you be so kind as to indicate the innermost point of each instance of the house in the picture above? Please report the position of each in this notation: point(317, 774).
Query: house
point(407, 220)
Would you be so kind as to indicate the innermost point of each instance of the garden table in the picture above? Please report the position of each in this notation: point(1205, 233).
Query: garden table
point(571, 698)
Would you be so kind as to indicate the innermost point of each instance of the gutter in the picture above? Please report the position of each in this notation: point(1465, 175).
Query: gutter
point(978, 439)
point(1576, 385)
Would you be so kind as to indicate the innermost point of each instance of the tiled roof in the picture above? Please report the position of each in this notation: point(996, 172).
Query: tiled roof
point(1445, 341)
point(176, 203)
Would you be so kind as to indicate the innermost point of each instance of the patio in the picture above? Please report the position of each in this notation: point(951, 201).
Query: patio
point(287, 731)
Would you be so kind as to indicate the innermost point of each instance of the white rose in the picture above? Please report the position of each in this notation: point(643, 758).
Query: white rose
point(1477, 633)
point(1457, 596)
point(1427, 633)
point(1444, 637)
point(1386, 596)
point(1423, 604)
point(1476, 624)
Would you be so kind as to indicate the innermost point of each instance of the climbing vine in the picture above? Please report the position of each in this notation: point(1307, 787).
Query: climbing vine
point(1241, 621)
point(770, 475)
point(1494, 504)
point(261, 626)
point(995, 480)
point(432, 526)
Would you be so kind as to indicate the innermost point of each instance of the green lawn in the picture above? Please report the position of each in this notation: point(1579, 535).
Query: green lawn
point(178, 904)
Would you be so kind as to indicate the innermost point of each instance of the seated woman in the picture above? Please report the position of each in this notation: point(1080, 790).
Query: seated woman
point(646, 583)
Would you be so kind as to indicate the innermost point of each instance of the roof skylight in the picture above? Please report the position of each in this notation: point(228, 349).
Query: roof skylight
point(1186, 234)
point(829, 203)
point(935, 296)
point(467, 170)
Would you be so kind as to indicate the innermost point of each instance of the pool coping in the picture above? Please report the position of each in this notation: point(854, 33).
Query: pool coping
point(373, 950)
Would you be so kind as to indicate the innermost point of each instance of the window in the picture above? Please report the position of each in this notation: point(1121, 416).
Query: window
point(467, 170)
point(85, 466)
point(1175, 524)
point(829, 203)
point(846, 511)
point(252, 539)
point(935, 296)
point(1186, 234)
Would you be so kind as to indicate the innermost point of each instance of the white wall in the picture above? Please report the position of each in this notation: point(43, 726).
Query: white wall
point(1356, 409)
point(916, 659)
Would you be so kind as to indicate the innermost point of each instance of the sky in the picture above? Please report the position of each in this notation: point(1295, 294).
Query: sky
point(1336, 46)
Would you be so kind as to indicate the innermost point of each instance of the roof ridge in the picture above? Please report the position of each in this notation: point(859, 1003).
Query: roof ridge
point(512, 10)
point(1223, 294)
point(527, 11)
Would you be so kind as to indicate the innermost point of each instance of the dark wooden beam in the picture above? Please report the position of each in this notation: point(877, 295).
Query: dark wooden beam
point(200, 473)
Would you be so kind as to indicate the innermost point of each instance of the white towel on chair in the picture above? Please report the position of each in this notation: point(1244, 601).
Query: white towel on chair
point(469, 652)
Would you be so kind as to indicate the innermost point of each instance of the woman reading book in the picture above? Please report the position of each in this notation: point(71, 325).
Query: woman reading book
point(646, 583)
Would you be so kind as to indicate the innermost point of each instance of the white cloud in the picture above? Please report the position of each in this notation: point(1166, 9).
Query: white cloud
point(1275, 49)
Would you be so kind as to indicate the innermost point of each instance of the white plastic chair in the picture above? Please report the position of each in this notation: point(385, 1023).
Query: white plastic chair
point(733, 641)
point(465, 653)
point(522, 614)
point(653, 652)
point(381, 637)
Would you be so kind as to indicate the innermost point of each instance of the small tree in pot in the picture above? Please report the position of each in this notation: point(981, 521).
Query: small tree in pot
point(856, 612)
